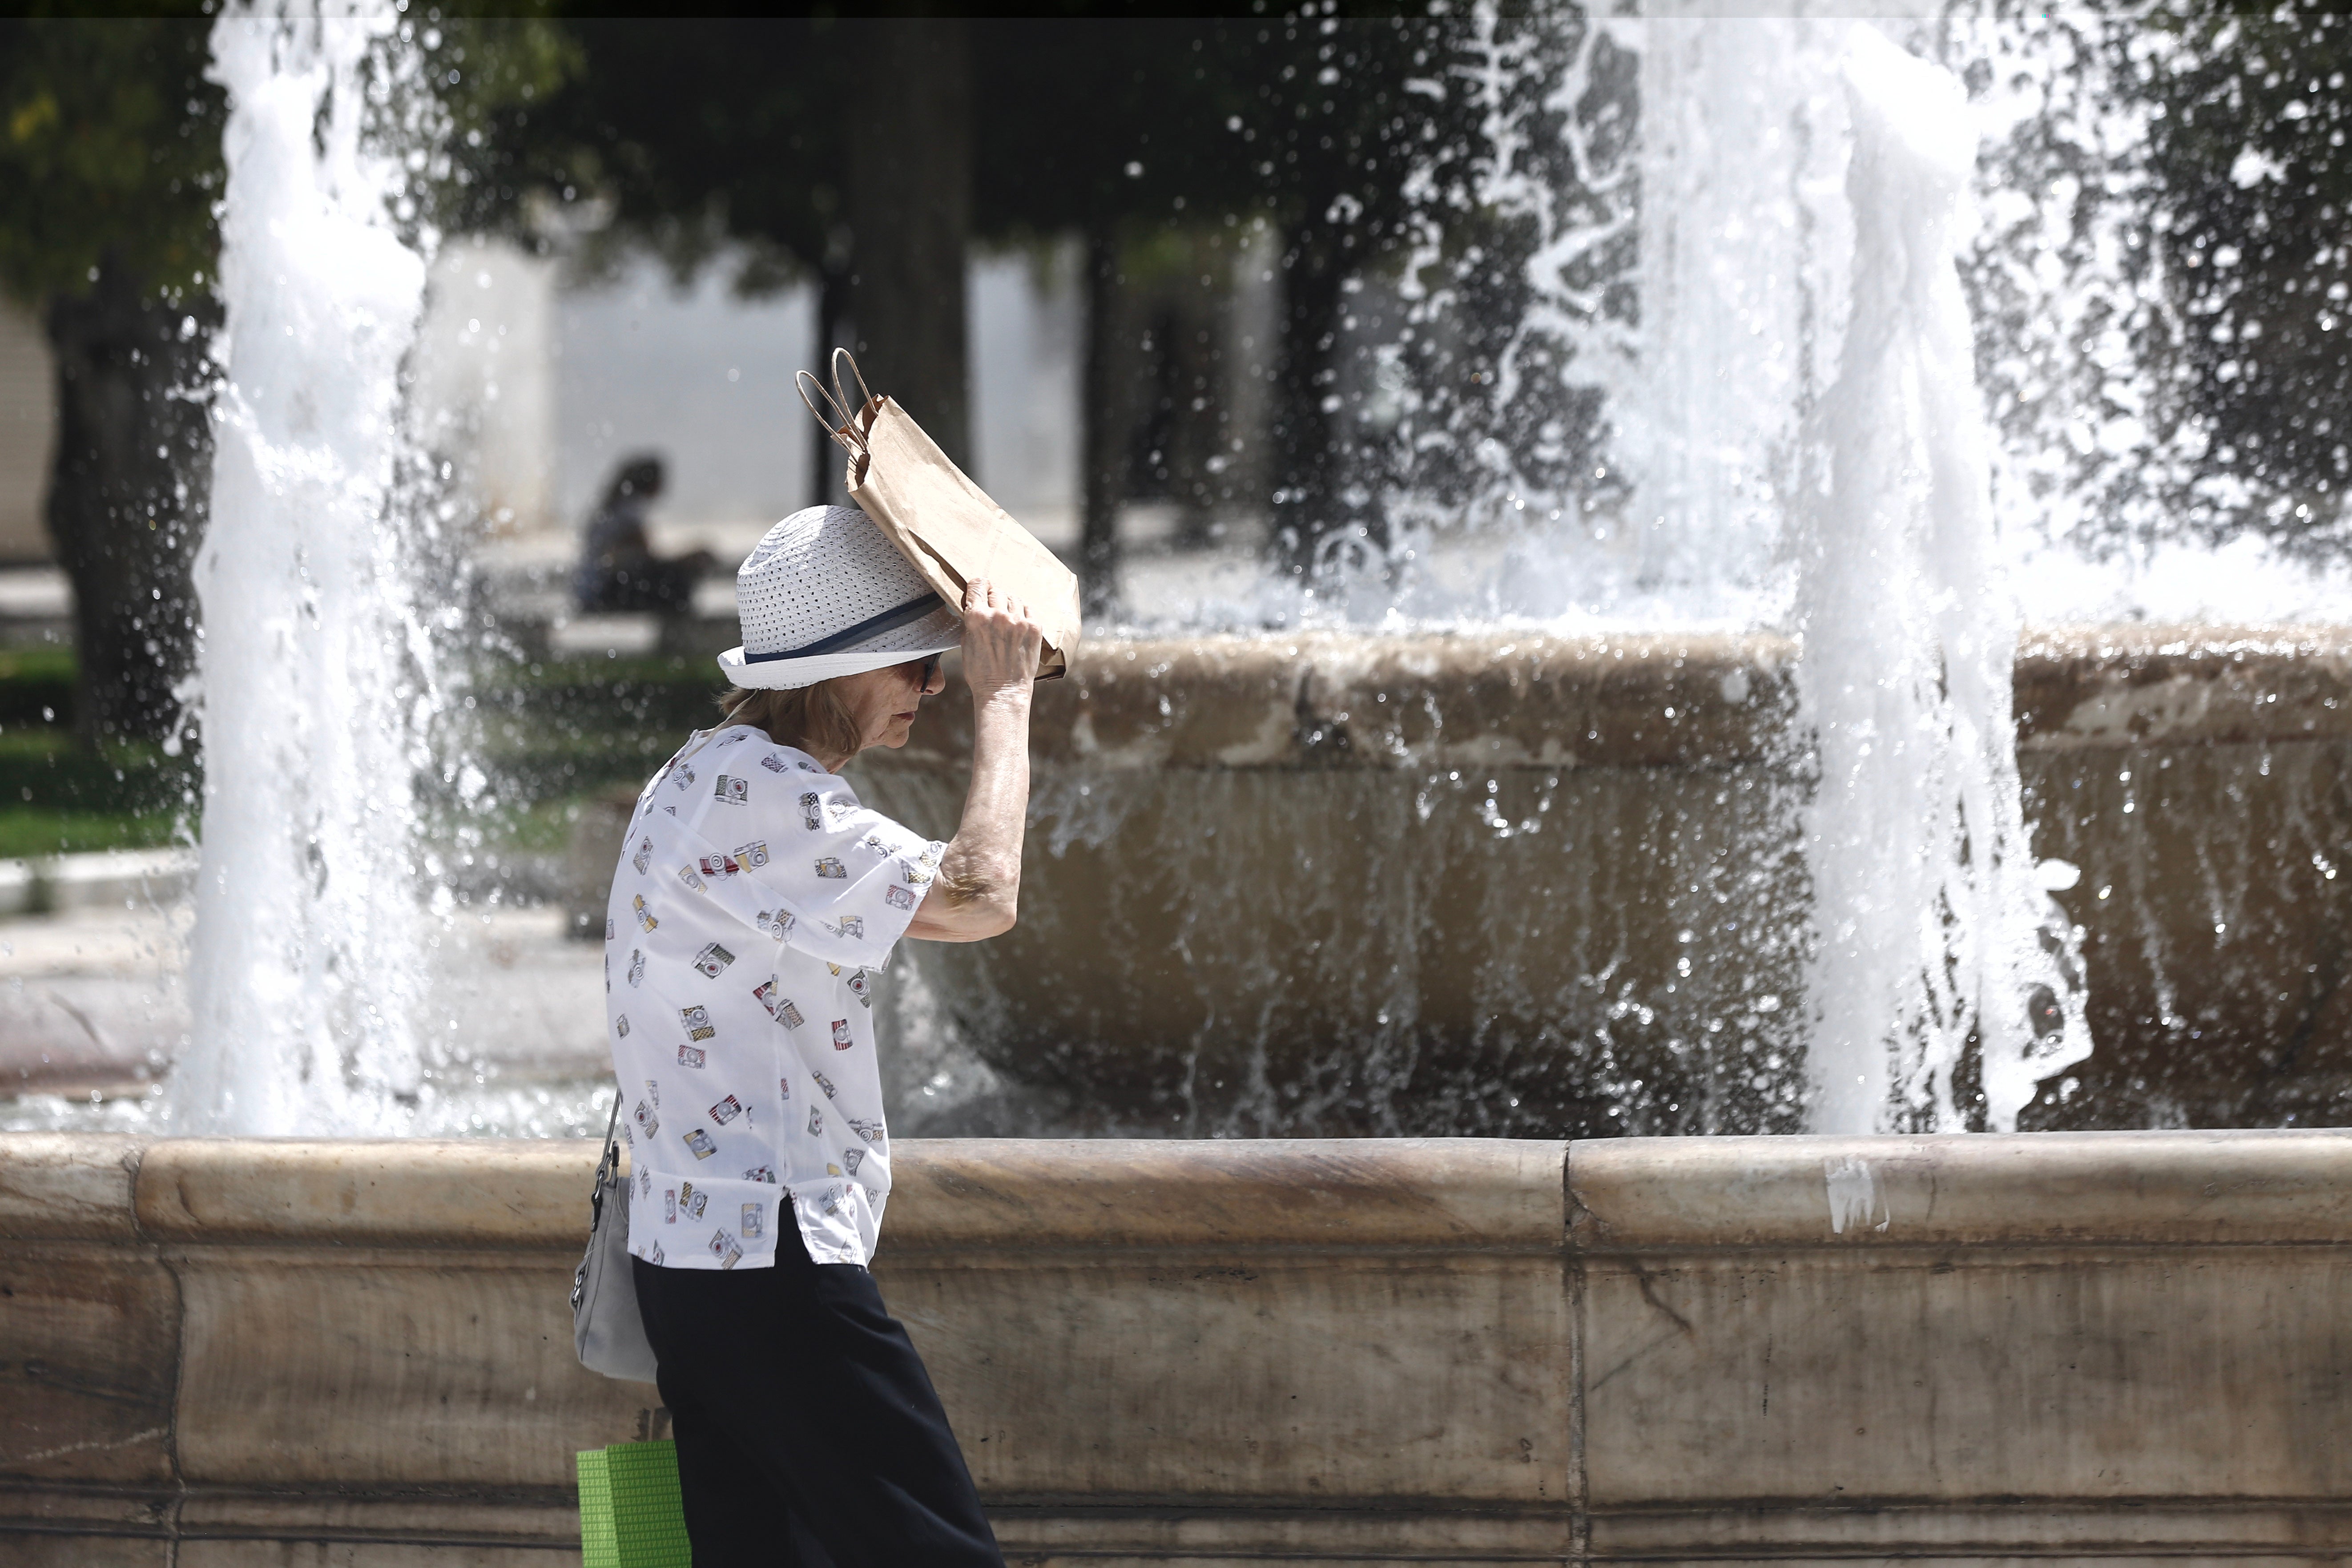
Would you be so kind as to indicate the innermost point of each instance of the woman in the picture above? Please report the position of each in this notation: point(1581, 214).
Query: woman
point(755, 904)
point(618, 568)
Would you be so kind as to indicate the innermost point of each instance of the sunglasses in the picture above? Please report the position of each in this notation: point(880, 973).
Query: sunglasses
point(928, 668)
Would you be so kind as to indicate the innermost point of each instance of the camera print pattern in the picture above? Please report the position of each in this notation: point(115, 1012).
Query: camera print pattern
point(755, 905)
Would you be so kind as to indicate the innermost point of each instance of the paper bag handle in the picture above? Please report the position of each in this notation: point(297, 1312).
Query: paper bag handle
point(865, 400)
point(846, 434)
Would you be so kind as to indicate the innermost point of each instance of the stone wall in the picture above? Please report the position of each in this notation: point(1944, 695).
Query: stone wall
point(2113, 1347)
point(1533, 885)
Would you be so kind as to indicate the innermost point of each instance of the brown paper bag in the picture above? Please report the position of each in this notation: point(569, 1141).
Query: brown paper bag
point(939, 519)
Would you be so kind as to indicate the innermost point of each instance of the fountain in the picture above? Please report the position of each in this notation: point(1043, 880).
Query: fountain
point(1663, 766)
point(316, 672)
point(1910, 638)
point(1654, 760)
point(1731, 793)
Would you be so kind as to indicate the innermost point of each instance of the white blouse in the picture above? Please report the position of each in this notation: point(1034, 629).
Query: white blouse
point(754, 901)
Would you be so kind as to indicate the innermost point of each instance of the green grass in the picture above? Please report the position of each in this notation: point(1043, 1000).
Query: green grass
point(531, 828)
point(558, 730)
point(43, 765)
point(551, 734)
point(37, 686)
point(31, 833)
point(56, 798)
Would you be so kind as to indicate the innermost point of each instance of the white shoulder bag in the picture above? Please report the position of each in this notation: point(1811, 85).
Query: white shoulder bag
point(606, 1328)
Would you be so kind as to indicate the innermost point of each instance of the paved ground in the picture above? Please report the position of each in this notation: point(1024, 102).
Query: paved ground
point(94, 1005)
point(96, 1000)
point(89, 1001)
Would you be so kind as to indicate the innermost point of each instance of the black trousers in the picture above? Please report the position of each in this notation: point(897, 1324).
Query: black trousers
point(808, 1433)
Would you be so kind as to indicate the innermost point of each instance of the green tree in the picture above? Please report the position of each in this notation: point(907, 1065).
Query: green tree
point(867, 154)
point(1121, 129)
point(704, 135)
point(2194, 378)
point(1128, 139)
point(110, 162)
point(1335, 129)
point(110, 167)
point(2253, 216)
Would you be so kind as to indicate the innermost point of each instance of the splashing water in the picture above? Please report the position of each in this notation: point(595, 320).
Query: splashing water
point(1743, 254)
point(1734, 389)
point(313, 665)
point(1790, 435)
point(1927, 907)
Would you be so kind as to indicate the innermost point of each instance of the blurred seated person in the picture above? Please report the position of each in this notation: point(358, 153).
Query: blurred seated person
point(618, 568)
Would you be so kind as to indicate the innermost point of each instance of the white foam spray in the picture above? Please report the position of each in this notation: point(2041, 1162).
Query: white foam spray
point(1743, 242)
point(313, 659)
point(1929, 910)
point(1851, 1188)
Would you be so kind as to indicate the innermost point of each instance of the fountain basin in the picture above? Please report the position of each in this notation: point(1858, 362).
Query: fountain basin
point(1529, 884)
point(2082, 1346)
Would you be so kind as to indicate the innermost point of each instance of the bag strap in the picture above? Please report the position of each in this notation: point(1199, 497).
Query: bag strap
point(606, 1167)
point(845, 435)
point(611, 1159)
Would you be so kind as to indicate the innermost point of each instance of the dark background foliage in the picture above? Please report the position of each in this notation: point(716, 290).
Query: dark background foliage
point(2250, 152)
point(867, 152)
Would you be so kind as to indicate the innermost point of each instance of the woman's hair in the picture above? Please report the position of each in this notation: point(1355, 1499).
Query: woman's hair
point(813, 718)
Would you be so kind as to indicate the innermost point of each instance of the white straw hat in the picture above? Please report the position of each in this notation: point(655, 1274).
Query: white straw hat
point(825, 594)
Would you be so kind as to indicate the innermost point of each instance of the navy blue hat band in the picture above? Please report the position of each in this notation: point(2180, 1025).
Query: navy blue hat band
point(904, 615)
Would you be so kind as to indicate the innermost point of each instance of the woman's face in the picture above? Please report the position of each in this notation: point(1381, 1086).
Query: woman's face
point(885, 701)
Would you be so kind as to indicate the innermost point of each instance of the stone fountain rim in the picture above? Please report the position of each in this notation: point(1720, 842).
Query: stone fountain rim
point(1455, 1195)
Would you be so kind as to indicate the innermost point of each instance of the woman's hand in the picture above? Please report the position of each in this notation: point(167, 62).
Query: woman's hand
point(1000, 642)
point(977, 893)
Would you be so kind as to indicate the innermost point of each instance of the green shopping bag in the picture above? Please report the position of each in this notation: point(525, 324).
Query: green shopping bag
point(630, 1514)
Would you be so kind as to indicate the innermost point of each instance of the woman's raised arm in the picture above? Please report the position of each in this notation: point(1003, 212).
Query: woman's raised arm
point(977, 893)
